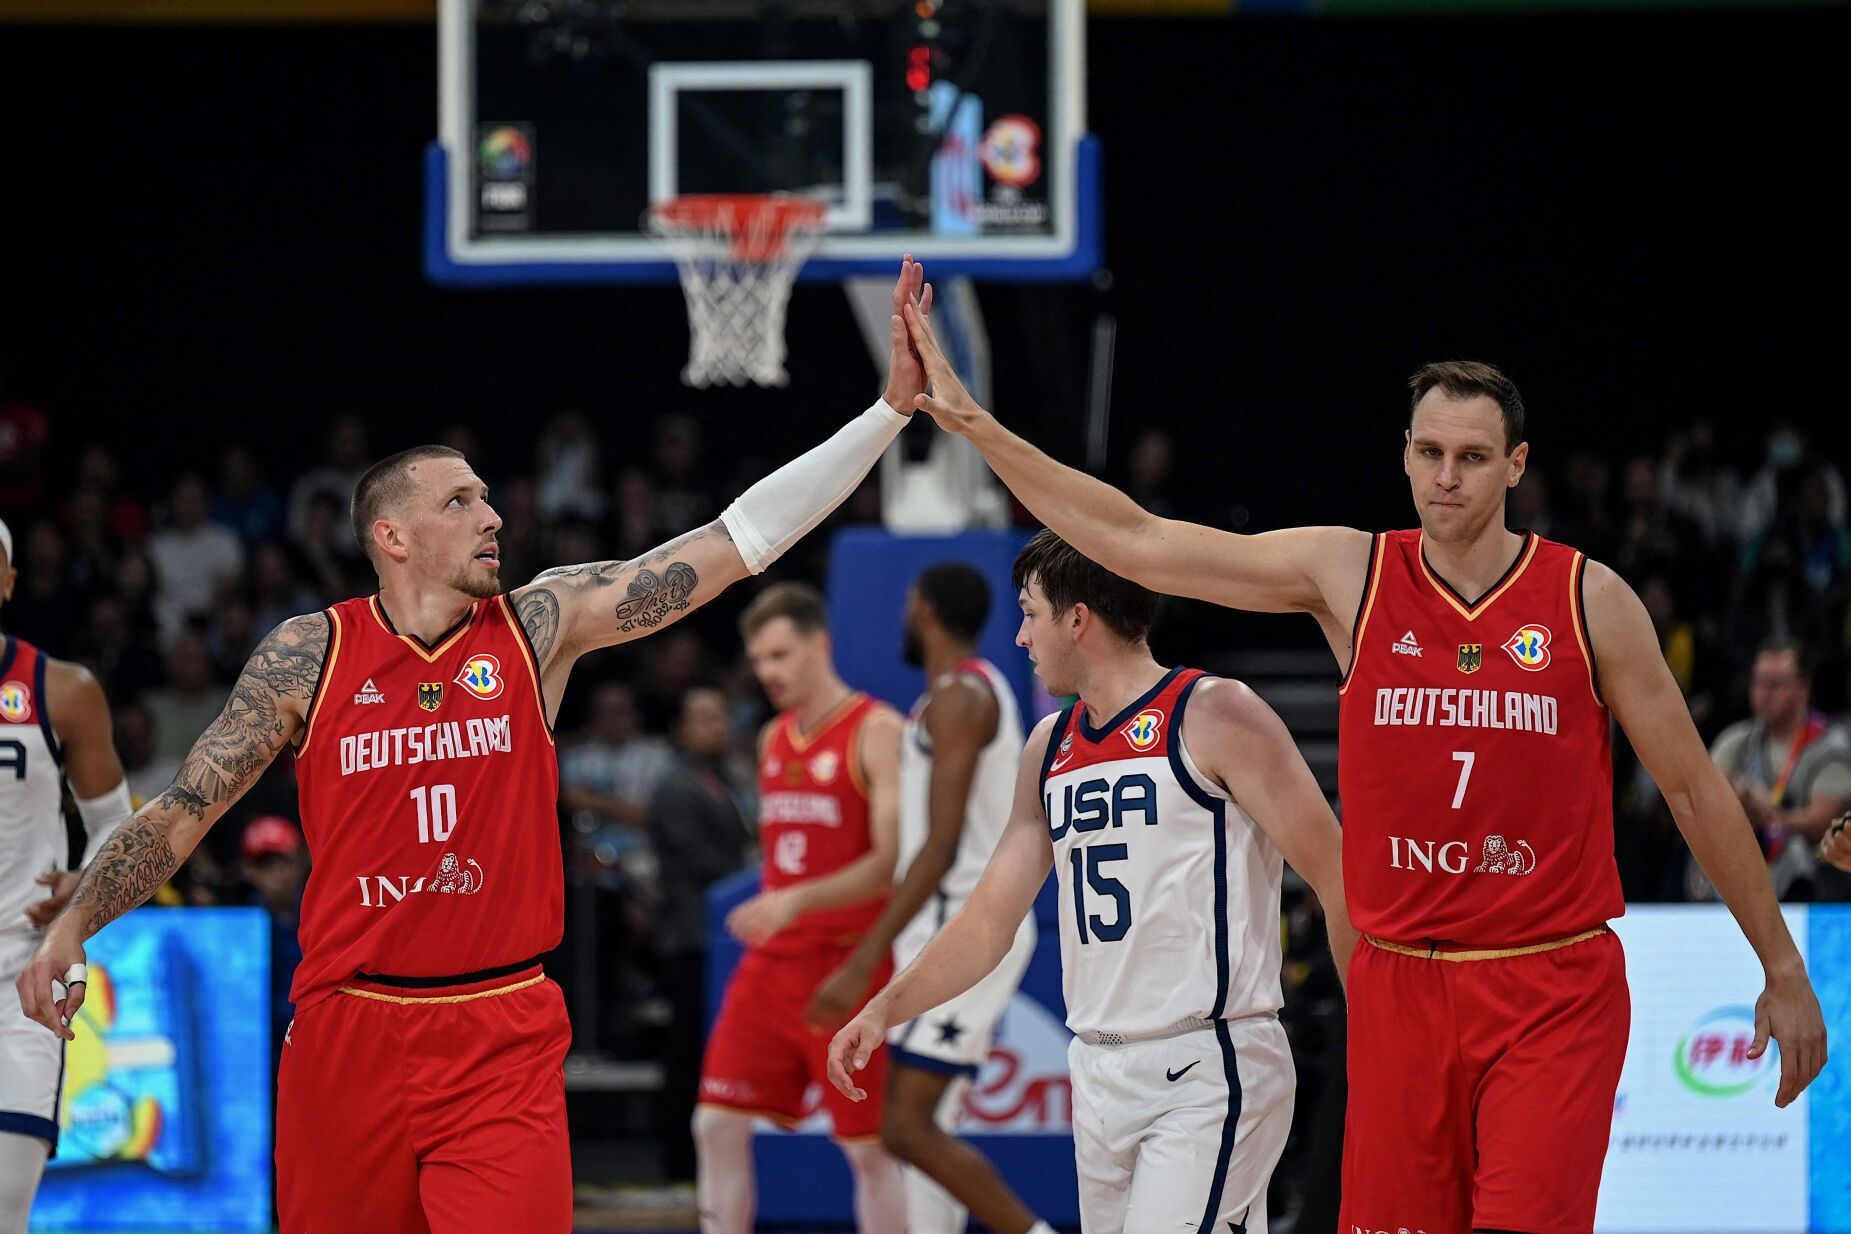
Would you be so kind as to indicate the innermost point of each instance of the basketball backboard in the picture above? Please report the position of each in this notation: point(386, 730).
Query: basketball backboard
point(950, 129)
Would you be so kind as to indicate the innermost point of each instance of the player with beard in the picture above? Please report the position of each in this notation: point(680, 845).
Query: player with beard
point(957, 778)
point(421, 1085)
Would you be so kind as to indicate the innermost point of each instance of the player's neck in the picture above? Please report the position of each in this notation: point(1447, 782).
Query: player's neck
point(1112, 684)
point(1473, 567)
point(426, 615)
point(943, 658)
point(822, 703)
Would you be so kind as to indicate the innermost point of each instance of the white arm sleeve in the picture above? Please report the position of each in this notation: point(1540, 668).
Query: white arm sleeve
point(104, 814)
point(781, 509)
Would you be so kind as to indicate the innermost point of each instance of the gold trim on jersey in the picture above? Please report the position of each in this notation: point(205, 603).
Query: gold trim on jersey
point(1489, 953)
point(400, 1000)
point(794, 731)
point(435, 654)
point(327, 678)
point(1474, 611)
point(533, 668)
point(1583, 636)
point(1362, 620)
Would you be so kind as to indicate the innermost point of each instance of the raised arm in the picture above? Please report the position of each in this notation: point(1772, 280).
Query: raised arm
point(267, 708)
point(570, 610)
point(80, 717)
point(975, 940)
point(1317, 570)
point(1644, 697)
point(865, 878)
point(1242, 743)
point(959, 720)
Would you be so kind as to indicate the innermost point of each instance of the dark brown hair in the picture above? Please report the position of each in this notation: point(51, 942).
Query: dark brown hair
point(386, 484)
point(801, 603)
point(1463, 379)
point(1067, 578)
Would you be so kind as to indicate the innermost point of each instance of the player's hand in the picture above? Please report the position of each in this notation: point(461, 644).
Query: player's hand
point(1836, 847)
point(949, 403)
point(906, 376)
point(762, 916)
point(43, 995)
point(62, 884)
point(838, 997)
point(1788, 1012)
point(850, 1050)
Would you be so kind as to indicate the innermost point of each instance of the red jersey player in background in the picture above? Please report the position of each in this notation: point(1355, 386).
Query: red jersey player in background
point(1488, 1019)
point(421, 1086)
point(829, 801)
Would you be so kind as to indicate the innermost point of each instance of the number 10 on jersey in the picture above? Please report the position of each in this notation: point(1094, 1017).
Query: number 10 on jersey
point(436, 812)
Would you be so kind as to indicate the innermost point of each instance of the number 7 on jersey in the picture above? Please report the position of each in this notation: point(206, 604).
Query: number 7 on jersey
point(1466, 757)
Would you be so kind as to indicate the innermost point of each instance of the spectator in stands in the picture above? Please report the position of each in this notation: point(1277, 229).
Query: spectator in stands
point(276, 867)
point(347, 457)
point(190, 701)
point(699, 836)
point(1761, 501)
point(194, 560)
point(326, 546)
point(244, 502)
point(1791, 767)
point(1653, 539)
point(147, 774)
point(232, 635)
point(566, 458)
point(1698, 485)
point(684, 495)
point(1586, 514)
point(276, 593)
point(25, 437)
point(635, 512)
point(44, 608)
point(118, 654)
point(611, 772)
point(1773, 602)
point(93, 546)
point(1149, 481)
point(127, 512)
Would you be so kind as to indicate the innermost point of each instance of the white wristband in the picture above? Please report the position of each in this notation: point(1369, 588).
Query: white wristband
point(102, 815)
point(782, 508)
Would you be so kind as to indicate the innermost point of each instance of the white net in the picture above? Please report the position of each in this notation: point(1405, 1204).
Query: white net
point(738, 256)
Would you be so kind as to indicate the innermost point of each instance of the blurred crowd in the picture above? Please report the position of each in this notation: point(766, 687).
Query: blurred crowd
point(163, 585)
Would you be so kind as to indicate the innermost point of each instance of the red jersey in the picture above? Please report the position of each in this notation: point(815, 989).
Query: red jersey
point(1477, 762)
point(428, 785)
point(813, 819)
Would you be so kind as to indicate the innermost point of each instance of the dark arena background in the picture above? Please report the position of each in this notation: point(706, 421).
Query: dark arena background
point(220, 303)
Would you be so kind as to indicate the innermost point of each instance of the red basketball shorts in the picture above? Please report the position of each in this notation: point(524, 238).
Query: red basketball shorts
point(763, 1056)
point(1481, 1090)
point(411, 1111)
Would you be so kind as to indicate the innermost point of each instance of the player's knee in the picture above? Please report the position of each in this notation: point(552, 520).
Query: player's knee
point(719, 1132)
point(906, 1133)
point(869, 1160)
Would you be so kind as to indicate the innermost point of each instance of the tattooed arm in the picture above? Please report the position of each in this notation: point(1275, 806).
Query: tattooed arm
point(268, 707)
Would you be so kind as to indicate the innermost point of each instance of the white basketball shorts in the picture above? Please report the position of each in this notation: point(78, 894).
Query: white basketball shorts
point(954, 1039)
point(31, 1058)
point(1180, 1135)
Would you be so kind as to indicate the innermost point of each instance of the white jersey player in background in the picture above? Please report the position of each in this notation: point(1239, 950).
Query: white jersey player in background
point(958, 755)
point(54, 727)
point(1163, 800)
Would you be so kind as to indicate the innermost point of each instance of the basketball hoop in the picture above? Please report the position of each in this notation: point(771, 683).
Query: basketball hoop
point(738, 255)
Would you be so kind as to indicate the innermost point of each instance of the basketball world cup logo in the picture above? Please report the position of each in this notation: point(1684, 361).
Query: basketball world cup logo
point(481, 676)
point(1142, 732)
point(1529, 647)
point(15, 701)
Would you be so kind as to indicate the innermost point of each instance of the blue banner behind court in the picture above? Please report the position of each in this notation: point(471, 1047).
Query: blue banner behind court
point(165, 1120)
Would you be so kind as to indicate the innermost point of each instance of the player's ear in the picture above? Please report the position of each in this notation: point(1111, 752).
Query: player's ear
point(6, 583)
point(1407, 452)
point(390, 541)
point(1519, 462)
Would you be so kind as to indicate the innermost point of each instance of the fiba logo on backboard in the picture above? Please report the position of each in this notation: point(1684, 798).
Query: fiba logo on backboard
point(1011, 151)
point(1711, 1060)
point(504, 177)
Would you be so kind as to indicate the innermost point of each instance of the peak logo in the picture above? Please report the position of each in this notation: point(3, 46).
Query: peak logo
point(1712, 1059)
point(369, 693)
point(1142, 732)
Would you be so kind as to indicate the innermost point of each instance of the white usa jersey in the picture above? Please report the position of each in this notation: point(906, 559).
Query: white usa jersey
point(32, 838)
point(992, 791)
point(1169, 901)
